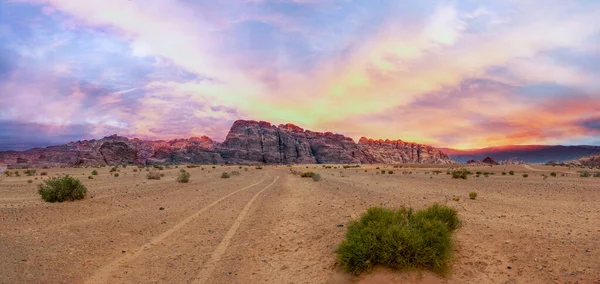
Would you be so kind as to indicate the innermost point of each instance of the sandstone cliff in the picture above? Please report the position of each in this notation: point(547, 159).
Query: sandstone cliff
point(248, 142)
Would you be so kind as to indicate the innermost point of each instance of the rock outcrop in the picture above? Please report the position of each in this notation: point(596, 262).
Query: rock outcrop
point(248, 142)
point(489, 161)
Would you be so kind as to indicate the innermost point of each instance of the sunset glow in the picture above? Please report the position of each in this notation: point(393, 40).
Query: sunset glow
point(460, 74)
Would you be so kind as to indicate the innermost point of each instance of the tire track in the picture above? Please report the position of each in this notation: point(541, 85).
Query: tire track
point(103, 274)
point(205, 273)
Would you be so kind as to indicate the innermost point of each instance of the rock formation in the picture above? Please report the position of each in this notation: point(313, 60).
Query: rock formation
point(489, 161)
point(248, 142)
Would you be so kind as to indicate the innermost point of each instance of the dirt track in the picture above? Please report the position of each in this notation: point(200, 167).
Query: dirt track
point(269, 226)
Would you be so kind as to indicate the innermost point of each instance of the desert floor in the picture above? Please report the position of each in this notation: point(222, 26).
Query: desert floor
point(270, 226)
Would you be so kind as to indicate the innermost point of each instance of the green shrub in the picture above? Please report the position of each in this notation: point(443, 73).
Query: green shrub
point(512, 173)
point(399, 239)
point(153, 175)
point(94, 172)
point(382, 172)
point(456, 198)
point(113, 169)
point(29, 181)
point(473, 195)
point(44, 173)
point(116, 175)
point(59, 189)
point(184, 177)
point(307, 174)
point(225, 175)
point(316, 177)
point(478, 173)
point(553, 174)
point(29, 172)
point(460, 174)
point(90, 177)
point(585, 174)
point(525, 175)
point(391, 172)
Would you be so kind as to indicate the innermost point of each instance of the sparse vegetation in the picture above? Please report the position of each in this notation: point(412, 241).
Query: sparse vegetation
point(307, 174)
point(225, 175)
point(184, 177)
point(391, 172)
point(597, 174)
point(29, 181)
point(473, 195)
point(525, 175)
point(59, 189)
point(399, 239)
point(90, 177)
point(503, 173)
point(153, 175)
point(116, 175)
point(43, 173)
point(235, 173)
point(512, 173)
point(585, 174)
point(29, 172)
point(553, 174)
point(316, 177)
point(460, 174)
point(113, 169)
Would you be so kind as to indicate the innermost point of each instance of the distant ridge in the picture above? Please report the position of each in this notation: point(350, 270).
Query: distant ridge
point(535, 154)
point(248, 142)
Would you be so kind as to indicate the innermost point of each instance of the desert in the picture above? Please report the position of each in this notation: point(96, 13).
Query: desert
point(268, 225)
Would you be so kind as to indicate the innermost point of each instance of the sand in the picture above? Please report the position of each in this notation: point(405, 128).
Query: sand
point(270, 226)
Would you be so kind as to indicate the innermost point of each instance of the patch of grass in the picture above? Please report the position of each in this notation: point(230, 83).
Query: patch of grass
point(90, 177)
point(29, 172)
point(116, 175)
point(553, 174)
point(44, 173)
point(460, 174)
point(456, 198)
point(59, 189)
point(94, 172)
point(512, 173)
point(153, 175)
point(585, 174)
point(29, 181)
point(225, 175)
point(382, 172)
point(316, 177)
point(525, 175)
point(473, 195)
point(391, 172)
point(184, 177)
point(113, 169)
point(399, 239)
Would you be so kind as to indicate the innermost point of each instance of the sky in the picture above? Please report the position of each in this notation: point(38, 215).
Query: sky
point(460, 74)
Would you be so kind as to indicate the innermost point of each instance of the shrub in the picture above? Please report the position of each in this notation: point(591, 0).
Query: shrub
point(525, 175)
point(473, 195)
point(316, 177)
point(478, 173)
point(460, 174)
point(456, 198)
point(135, 170)
point(113, 169)
point(29, 172)
point(29, 181)
point(258, 168)
point(184, 177)
point(553, 174)
point(307, 174)
point(585, 174)
point(153, 175)
point(382, 172)
point(512, 173)
point(59, 189)
point(225, 175)
point(391, 172)
point(597, 174)
point(503, 173)
point(90, 177)
point(117, 175)
point(399, 239)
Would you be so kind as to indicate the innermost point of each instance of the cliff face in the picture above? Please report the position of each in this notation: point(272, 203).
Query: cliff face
point(248, 142)
point(399, 152)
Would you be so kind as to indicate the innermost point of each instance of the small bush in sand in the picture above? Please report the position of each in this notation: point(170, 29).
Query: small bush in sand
point(259, 168)
point(391, 172)
point(90, 177)
point(585, 174)
point(473, 195)
point(117, 175)
point(153, 175)
point(29, 172)
point(235, 173)
point(553, 174)
point(225, 175)
point(184, 177)
point(113, 169)
point(525, 175)
point(460, 174)
point(94, 172)
point(316, 177)
point(456, 198)
point(44, 173)
point(30, 181)
point(382, 172)
point(59, 189)
point(512, 173)
point(503, 173)
point(399, 239)
point(307, 174)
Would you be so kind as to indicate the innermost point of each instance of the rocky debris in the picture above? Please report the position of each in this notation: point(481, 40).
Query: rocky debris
point(248, 142)
point(489, 161)
point(512, 161)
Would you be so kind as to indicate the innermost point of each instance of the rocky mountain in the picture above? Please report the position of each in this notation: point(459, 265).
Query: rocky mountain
point(587, 161)
point(523, 153)
point(248, 142)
